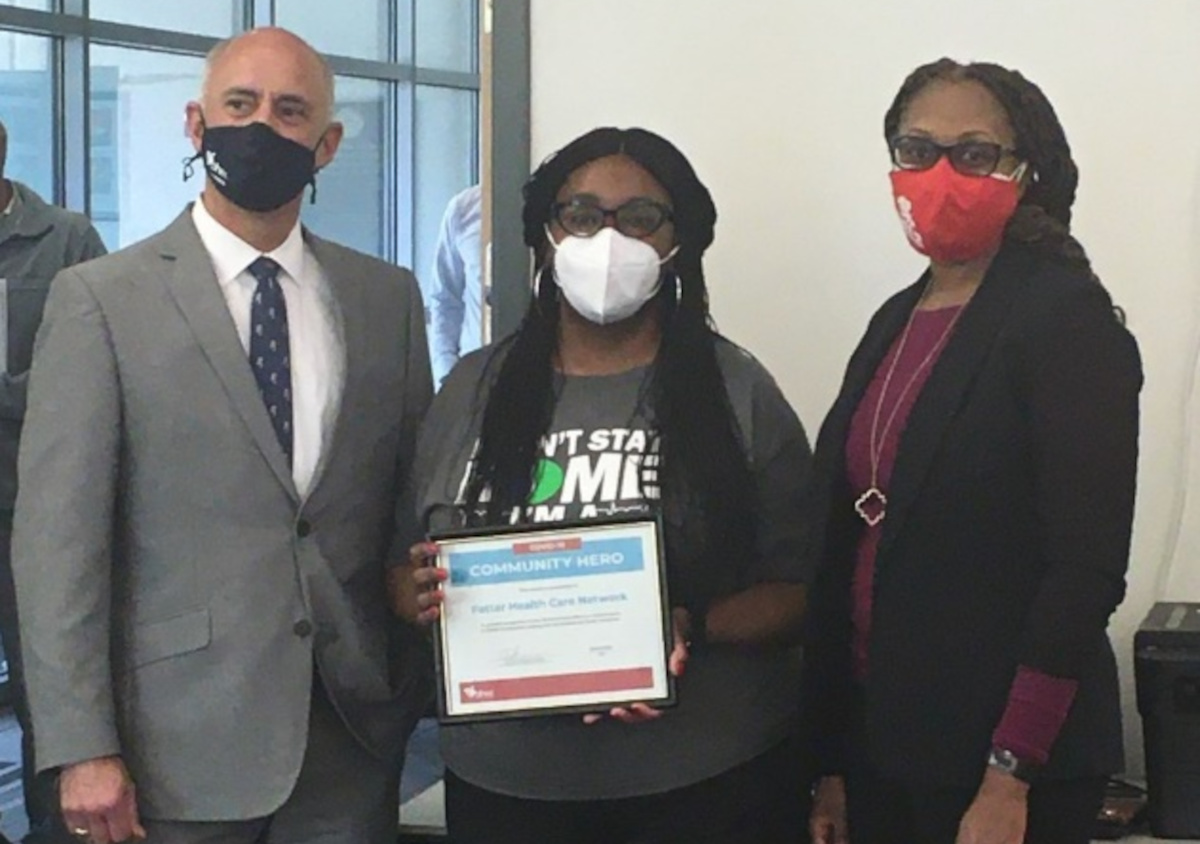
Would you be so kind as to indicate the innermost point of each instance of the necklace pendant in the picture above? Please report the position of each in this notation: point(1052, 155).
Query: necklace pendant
point(871, 506)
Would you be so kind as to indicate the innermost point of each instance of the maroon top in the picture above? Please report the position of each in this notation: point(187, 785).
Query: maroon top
point(1037, 703)
point(926, 336)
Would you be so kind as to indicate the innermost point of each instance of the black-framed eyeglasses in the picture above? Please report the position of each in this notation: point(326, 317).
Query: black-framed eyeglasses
point(971, 158)
point(638, 217)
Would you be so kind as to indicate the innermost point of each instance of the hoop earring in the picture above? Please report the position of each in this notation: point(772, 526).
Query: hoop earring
point(537, 291)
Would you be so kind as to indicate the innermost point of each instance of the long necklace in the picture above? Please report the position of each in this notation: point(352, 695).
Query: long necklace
point(871, 506)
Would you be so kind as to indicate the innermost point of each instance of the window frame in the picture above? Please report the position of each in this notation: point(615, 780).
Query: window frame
point(73, 33)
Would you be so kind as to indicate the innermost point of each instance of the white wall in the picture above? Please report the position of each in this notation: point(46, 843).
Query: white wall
point(779, 104)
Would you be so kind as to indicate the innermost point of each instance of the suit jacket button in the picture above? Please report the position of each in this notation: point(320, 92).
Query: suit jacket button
point(303, 528)
point(303, 628)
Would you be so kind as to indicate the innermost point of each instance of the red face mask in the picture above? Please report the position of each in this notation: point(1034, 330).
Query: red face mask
point(952, 217)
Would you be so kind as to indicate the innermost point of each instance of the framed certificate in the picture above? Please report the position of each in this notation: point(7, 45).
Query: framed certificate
point(553, 619)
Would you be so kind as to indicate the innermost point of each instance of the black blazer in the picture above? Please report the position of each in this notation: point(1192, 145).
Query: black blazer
point(1007, 532)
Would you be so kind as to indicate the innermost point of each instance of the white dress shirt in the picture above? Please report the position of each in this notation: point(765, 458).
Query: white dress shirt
point(317, 351)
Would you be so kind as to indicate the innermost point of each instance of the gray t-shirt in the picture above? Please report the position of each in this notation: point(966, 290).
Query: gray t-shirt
point(601, 460)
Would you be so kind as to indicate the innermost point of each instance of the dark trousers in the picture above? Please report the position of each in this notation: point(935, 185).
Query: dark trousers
point(883, 811)
point(41, 803)
point(764, 801)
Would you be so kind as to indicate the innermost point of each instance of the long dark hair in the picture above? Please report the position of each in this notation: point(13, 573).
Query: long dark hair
point(704, 462)
point(1043, 217)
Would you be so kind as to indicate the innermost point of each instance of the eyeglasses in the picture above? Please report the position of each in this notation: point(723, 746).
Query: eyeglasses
point(971, 158)
point(639, 217)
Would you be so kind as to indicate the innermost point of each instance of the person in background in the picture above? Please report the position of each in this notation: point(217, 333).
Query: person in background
point(616, 364)
point(976, 476)
point(36, 241)
point(454, 292)
point(221, 424)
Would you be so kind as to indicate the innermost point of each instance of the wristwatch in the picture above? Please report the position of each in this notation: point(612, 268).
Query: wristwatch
point(1008, 762)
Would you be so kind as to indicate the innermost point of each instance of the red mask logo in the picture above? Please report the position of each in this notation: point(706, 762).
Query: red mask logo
point(952, 217)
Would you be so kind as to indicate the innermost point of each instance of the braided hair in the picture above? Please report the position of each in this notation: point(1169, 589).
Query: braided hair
point(704, 463)
point(1042, 220)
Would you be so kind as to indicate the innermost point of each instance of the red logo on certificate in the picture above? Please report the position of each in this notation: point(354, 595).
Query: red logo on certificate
point(548, 546)
point(558, 685)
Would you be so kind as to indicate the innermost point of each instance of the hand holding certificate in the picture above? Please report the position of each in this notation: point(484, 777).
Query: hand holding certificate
point(415, 590)
point(539, 620)
point(636, 713)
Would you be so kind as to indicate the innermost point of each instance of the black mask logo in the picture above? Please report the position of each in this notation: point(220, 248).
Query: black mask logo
point(254, 166)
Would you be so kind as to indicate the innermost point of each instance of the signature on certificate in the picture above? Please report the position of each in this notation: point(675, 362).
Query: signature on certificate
point(515, 656)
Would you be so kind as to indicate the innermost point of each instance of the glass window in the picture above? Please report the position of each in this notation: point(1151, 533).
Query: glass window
point(357, 28)
point(40, 5)
point(446, 34)
point(27, 98)
point(445, 162)
point(139, 140)
point(220, 18)
point(351, 193)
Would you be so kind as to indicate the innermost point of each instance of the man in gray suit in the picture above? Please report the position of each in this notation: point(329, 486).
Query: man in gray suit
point(221, 424)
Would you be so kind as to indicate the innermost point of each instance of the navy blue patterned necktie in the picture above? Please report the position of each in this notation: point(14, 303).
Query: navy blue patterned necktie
point(270, 356)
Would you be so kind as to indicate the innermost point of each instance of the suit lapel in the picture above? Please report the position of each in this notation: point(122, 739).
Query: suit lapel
point(346, 312)
point(193, 284)
point(861, 370)
point(948, 386)
point(833, 505)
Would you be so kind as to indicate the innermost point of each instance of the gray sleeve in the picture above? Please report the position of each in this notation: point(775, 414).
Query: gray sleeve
point(93, 246)
point(62, 536)
point(12, 395)
point(430, 455)
point(446, 441)
point(782, 464)
point(418, 391)
point(83, 242)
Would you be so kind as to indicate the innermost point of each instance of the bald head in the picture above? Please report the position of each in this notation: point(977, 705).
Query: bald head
point(3, 147)
point(271, 46)
point(273, 77)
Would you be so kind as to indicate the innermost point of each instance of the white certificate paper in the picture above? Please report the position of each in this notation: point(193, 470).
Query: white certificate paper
point(562, 619)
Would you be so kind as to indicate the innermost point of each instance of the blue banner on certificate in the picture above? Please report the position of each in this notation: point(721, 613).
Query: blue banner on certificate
point(553, 619)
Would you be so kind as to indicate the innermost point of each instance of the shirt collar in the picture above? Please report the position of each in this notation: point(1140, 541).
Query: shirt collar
point(12, 200)
point(231, 256)
point(29, 216)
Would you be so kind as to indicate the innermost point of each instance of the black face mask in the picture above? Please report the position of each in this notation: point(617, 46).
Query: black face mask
point(254, 166)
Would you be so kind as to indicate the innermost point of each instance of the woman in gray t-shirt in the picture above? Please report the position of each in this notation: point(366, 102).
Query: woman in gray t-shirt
point(616, 396)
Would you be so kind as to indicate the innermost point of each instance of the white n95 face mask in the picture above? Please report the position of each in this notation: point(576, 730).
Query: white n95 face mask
point(609, 276)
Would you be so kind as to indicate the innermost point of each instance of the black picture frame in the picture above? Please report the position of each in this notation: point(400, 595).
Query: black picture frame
point(652, 522)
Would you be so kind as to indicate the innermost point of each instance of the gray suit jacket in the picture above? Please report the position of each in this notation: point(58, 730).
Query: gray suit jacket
point(175, 590)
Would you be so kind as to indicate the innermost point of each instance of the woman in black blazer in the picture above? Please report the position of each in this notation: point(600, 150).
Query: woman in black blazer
point(976, 482)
